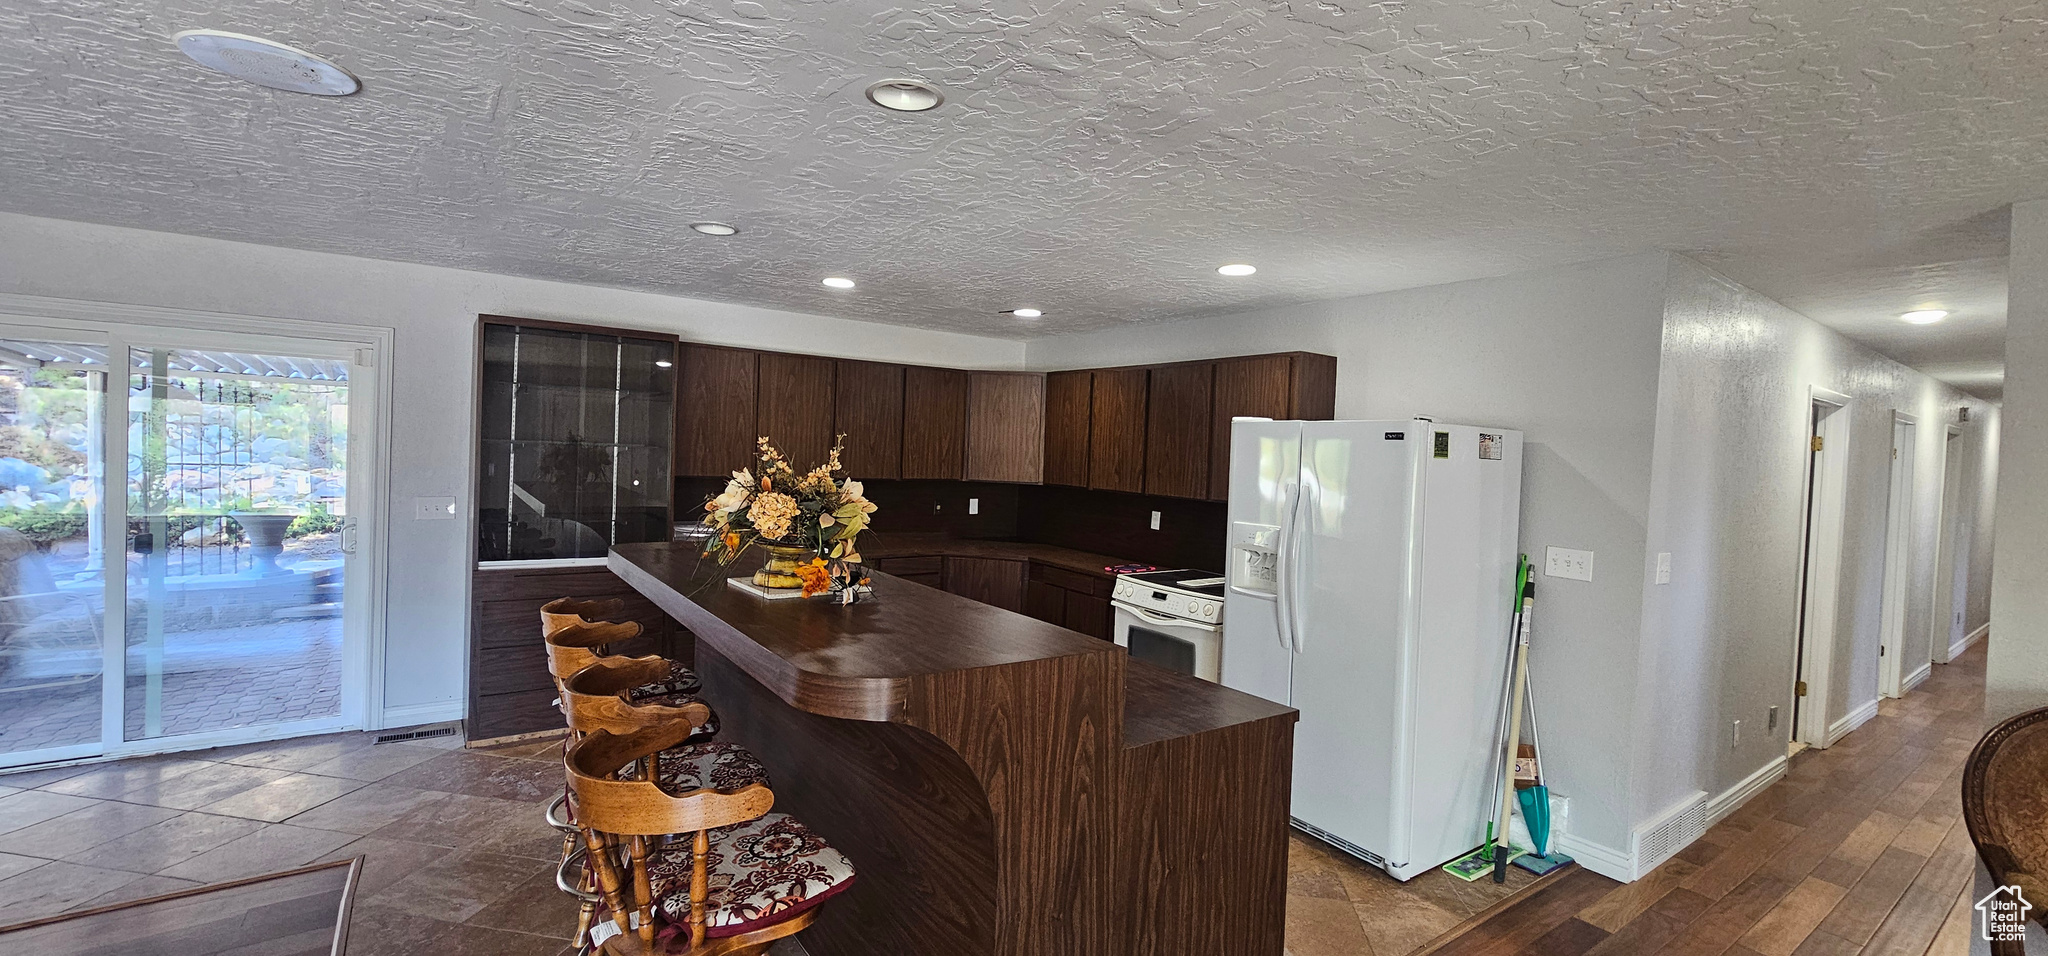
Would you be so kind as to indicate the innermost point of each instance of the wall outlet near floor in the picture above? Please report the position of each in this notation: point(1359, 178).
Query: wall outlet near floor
point(433, 509)
point(1155, 520)
point(1567, 563)
point(974, 506)
point(1663, 567)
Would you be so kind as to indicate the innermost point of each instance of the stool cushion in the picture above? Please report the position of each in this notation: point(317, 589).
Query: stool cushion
point(680, 770)
point(762, 872)
point(680, 680)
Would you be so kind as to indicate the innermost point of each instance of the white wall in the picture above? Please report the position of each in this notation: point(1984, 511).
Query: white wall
point(1569, 357)
point(1725, 500)
point(2016, 674)
point(433, 312)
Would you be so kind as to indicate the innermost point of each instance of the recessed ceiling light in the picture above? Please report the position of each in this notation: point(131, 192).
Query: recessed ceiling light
point(266, 63)
point(905, 96)
point(1237, 269)
point(1026, 313)
point(716, 228)
point(663, 363)
point(1925, 316)
point(839, 282)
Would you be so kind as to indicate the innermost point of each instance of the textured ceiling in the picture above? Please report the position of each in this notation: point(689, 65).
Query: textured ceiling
point(1095, 158)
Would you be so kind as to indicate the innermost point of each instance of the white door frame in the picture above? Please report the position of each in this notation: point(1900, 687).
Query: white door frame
point(1898, 556)
point(368, 348)
point(1820, 576)
point(1941, 623)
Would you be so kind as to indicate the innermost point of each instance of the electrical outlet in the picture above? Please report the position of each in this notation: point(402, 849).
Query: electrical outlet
point(1567, 563)
point(1737, 742)
point(1155, 520)
point(974, 506)
point(1663, 567)
point(433, 509)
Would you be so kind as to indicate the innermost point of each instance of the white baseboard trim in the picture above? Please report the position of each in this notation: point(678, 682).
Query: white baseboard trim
point(1956, 650)
point(1847, 723)
point(1602, 859)
point(412, 715)
point(1730, 800)
point(1916, 678)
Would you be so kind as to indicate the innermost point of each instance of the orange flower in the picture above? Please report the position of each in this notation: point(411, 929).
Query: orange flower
point(814, 576)
point(732, 541)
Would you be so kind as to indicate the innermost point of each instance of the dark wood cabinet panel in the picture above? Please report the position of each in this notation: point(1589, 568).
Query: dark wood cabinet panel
point(509, 687)
point(1046, 602)
point(1315, 387)
point(1178, 423)
point(1257, 387)
point(1066, 427)
point(868, 410)
point(934, 423)
point(796, 406)
point(992, 581)
point(1006, 426)
point(1090, 615)
point(1116, 440)
point(716, 396)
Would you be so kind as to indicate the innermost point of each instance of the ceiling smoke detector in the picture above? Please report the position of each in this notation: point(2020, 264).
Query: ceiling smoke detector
point(905, 96)
point(266, 63)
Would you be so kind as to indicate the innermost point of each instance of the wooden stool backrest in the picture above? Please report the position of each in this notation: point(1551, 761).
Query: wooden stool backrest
point(2005, 808)
point(562, 612)
point(596, 698)
point(607, 807)
point(577, 646)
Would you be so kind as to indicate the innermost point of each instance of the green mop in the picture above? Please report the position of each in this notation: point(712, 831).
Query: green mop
point(1535, 803)
point(1479, 862)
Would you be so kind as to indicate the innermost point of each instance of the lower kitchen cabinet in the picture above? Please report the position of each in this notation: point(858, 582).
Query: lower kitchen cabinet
point(1077, 602)
point(992, 581)
point(925, 569)
point(510, 690)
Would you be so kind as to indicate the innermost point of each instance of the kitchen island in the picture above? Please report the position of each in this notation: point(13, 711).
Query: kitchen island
point(1003, 785)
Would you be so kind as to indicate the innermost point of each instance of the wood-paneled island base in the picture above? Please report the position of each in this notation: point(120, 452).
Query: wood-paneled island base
point(1003, 786)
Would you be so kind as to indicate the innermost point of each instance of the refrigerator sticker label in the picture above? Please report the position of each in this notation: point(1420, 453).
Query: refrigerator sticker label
point(1489, 446)
point(1443, 444)
point(1397, 436)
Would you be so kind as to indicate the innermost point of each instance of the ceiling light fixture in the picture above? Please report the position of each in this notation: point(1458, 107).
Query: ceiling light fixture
point(839, 282)
point(266, 63)
point(905, 96)
point(1026, 313)
point(1237, 269)
point(1925, 316)
point(716, 228)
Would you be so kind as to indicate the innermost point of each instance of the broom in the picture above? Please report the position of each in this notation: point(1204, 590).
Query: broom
point(1475, 864)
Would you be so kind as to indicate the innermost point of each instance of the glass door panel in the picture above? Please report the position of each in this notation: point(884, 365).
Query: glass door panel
point(237, 536)
point(52, 560)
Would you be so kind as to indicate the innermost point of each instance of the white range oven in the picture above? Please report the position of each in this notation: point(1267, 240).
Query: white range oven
point(1173, 619)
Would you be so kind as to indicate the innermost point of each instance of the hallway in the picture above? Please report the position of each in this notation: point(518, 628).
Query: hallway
point(1861, 849)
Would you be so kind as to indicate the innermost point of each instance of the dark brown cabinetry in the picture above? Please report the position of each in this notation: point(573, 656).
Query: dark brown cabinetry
point(1177, 430)
point(1293, 385)
point(991, 581)
point(1067, 399)
point(1006, 426)
point(1116, 439)
point(796, 406)
point(934, 422)
point(868, 410)
point(716, 401)
point(927, 570)
point(1077, 602)
point(509, 687)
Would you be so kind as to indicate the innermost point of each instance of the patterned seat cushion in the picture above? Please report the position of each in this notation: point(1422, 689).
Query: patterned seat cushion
point(762, 872)
point(680, 680)
point(680, 770)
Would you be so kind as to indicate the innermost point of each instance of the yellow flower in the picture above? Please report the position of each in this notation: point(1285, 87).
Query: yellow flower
point(814, 576)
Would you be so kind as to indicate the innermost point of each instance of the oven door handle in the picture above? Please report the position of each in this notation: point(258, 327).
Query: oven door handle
point(1165, 620)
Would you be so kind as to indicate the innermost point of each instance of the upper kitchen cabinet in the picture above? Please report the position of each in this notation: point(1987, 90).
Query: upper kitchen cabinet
point(1177, 430)
point(934, 423)
point(1006, 426)
point(1292, 385)
point(796, 406)
point(1066, 427)
point(716, 400)
point(868, 410)
point(1116, 439)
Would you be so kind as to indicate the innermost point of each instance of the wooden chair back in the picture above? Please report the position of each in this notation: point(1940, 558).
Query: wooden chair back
point(2005, 808)
point(577, 646)
point(609, 808)
point(563, 612)
point(598, 697)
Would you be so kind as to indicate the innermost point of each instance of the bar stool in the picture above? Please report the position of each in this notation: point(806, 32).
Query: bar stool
point(585, 625)
point(742, 878)
point(596, 698)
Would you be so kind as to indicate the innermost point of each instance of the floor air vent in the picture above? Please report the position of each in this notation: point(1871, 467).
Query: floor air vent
point(415, 735)
point(1662, 839)
point(1340, 843)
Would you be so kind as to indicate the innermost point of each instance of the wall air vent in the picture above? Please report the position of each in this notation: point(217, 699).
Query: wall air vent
point(1661, 839)
point(266, 63)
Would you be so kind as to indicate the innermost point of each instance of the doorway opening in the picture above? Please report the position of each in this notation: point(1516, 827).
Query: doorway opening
point(1827, 474)
point(1892, 665)
point(1951, 569)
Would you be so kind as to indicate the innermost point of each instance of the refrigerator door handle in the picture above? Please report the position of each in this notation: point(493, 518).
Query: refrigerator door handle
point(1303, 537)
point(1283, 607)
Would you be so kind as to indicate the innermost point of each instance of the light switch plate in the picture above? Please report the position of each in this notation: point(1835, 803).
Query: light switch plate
point(1663, 567)
point(1155, 520)
point(433, 509)
point(974, 506)
point(1568, 563)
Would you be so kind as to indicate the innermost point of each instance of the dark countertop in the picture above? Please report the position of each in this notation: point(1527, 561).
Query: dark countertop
point(857, 661)
point(922, 544)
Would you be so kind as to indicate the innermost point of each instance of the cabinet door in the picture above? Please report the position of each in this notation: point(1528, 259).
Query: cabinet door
point(1090, 615)
point(1006, 426)
point(934, 423)
point(993, 581)
point(1066, 427)
point(716, 394)
point(1046, 602)
point(869, 412)
point(1178, 423)
point(796, 406)
point(1259, 387)
point(1116, 440)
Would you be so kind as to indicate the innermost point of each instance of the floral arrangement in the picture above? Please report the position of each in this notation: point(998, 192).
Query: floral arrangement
point(821, 511)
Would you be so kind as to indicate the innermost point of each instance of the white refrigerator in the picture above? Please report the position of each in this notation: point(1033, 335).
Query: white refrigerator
point(1370, 568)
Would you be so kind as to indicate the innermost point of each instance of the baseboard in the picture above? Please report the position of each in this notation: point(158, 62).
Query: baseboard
point(412, 715)
point(1848, 722)
point(1916, 678)
point(1730, 800)
point(1604, 860)
point(1956, 650)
